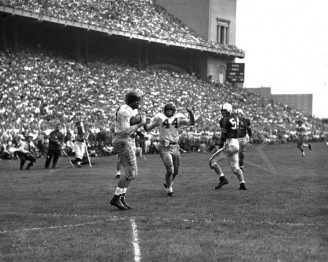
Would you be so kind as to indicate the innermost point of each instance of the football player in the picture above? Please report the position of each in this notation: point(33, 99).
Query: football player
point(124, 145)
point(228, 147)
point(301, 133)
point(169, 123)
point(244, 136)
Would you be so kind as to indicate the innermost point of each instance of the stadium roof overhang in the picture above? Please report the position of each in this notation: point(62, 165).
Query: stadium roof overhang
point(219, 51)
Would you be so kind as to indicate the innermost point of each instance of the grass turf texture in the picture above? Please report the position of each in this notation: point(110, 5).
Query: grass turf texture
point(65, 215)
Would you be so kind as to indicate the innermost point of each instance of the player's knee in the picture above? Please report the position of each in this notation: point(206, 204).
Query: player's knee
point(131, 175)
point(235, 169)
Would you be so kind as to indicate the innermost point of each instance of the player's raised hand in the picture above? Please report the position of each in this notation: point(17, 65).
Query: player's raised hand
point(143, 118)
point(189, 109)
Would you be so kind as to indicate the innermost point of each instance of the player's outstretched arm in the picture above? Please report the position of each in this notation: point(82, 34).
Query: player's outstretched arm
point(150, 125)
point(191, 116)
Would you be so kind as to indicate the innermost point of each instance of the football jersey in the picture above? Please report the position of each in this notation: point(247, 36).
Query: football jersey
point(244, 124)
point(122, 118)
point(229, 126)
point(301, 130)
point(169, 127)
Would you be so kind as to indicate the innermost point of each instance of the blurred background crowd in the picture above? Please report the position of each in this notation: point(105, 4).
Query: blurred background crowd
point(39, 90)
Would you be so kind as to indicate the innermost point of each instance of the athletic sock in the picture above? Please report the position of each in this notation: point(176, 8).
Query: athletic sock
point(118, 191)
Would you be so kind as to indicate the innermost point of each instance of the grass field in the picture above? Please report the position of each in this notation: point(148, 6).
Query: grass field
point(64, 214)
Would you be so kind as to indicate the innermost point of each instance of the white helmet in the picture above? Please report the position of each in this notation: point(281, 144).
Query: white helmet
point(240, 111)
point(227, 107)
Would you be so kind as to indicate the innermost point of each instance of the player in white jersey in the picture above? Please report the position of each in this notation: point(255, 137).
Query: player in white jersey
point(301, 133)
point(124, 145)
point(168, 147)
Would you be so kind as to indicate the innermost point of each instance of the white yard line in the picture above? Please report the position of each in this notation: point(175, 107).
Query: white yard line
point(54, 227)
point(136, 247)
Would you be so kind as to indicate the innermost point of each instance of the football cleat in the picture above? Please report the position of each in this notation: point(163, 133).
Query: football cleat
point(122, 199)
point(303, 154)
point(242, 186)
point(310, 147)
point(117, 202)
point(223, 181)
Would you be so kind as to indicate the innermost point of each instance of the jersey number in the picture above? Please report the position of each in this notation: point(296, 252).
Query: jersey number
point(234, 123)
point(167, 124)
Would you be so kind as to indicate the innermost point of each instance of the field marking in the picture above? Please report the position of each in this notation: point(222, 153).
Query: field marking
point(136, 247)
point(266, 160)
point(260, 167)
point(134, 226)
point(54, 227)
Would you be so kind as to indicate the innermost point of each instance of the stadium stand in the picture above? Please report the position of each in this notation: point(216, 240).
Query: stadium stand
point(39, 87)
point(144, 17)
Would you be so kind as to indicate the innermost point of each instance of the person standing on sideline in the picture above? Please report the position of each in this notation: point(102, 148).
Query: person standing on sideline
point(56, 139)
point(124, 145)
point(169, 123)
point(244, 136)
point(26, 151)
point(80, 144)
point(228, 147)
point(301, 133)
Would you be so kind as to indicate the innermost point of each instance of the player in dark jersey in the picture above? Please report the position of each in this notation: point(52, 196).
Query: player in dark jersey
point(229, 147)
point(244, 136)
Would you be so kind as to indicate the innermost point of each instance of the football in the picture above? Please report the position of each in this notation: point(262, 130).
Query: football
point(135, 120)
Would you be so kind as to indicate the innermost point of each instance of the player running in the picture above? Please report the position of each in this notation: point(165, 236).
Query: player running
point(301, 133)
point(169, 150)
point(228, 147)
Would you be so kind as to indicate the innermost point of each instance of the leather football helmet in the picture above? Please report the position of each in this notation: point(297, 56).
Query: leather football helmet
point(226, 107)
point(131, 97)
point(170, 106)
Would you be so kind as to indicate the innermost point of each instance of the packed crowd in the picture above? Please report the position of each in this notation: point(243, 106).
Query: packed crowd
point(38, 89)
point(143, 17)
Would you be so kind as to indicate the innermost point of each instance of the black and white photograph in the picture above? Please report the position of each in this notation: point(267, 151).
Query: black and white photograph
point(163, 130)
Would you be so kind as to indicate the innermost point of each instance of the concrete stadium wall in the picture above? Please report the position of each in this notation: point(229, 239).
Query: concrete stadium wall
point(201, 15)
point(194, 13)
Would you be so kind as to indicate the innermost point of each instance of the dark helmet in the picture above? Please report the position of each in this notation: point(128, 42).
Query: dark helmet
point(131, 97)
point(170, 106)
